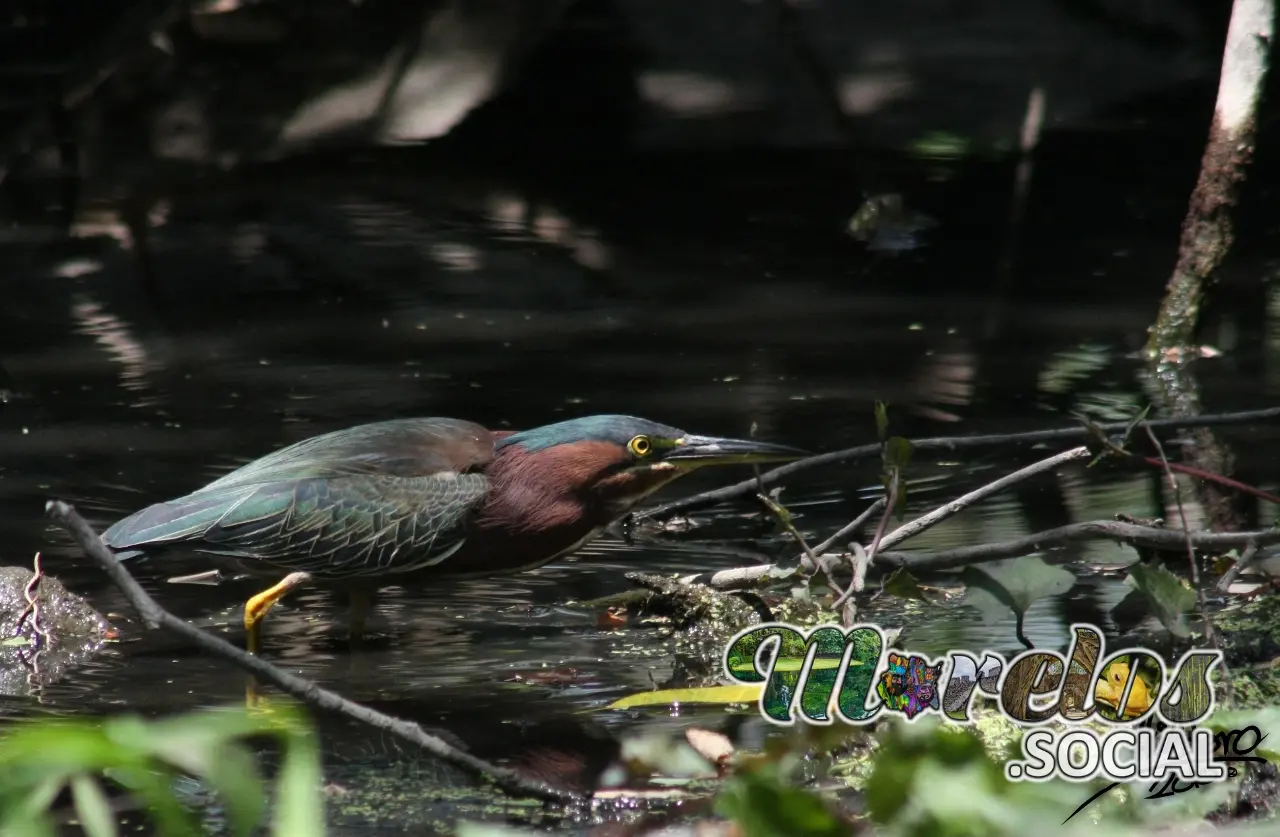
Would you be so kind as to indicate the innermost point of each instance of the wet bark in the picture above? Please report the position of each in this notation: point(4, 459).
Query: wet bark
point(1207, 230)
point(1207, 237)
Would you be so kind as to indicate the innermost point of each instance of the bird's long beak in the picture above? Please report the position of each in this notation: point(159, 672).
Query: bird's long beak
point(696, 451)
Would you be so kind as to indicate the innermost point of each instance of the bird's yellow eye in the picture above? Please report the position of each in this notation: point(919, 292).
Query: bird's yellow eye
point(640, 446)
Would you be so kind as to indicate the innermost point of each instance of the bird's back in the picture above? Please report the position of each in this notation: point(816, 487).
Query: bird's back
point(390, 495)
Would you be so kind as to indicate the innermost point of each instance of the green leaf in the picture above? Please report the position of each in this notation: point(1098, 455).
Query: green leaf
point(156, 790)
point(18, 824)
point(96, 817)
point(1001, 586)
point(763, 805)
point(903, 585)
point(234, 775)
point(15, 642)
point(882, 420)
point(1167, 597)
point(1138, 419)
point(299, 801)
point(28, 815)
point(897, 452)
point(780, 511)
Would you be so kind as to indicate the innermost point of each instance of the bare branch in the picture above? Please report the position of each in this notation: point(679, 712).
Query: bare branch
point(948, 559)
point(1247, 557)
point(863, 558)
point(157, 617)
point(852, 527)
point(915, 527)
point(948, 443)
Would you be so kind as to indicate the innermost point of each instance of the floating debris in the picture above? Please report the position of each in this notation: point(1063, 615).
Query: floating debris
point(886, 225)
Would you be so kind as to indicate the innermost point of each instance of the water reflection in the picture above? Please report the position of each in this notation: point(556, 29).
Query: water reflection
point(279, 312)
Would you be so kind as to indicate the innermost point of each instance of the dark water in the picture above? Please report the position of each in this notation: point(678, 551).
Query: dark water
point(713, 294)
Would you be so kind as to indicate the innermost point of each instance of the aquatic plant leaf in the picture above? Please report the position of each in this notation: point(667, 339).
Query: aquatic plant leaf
point(15, 642)
point(882, 420)
point(1167, 597)
point(299, 800)
point(1015, 584)
point(711, 694)
point(903, 585)
point(25, 808)
point(897, 452)
point(156, 791)
point(38, 759)
point(92, 808)
point(762, 804)
point(234, 775)
point(26, 826)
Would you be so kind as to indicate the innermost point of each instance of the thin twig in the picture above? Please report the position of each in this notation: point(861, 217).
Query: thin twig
point(810, 557)
point(951, 509)
point(920, 524)
point(949, 443)
point(1194, 565)
point(964, 556)
point(850, 528)
point(156, 617)
point(862, 558)
point(1200, 473)
point(1250, 554)
point(1182, 513)
point(32, 594)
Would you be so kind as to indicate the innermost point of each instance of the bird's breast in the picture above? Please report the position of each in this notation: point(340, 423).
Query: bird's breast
point(490, 552)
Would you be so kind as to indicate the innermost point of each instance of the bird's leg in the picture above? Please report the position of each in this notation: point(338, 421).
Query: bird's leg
point(255, 610)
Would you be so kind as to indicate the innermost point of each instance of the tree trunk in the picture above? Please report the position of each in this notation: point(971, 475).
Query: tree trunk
point(1206, 240)
point(1207, 230)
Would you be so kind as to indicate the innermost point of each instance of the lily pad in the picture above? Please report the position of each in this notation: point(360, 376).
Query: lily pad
point(1016, 584)
point(1169, 599)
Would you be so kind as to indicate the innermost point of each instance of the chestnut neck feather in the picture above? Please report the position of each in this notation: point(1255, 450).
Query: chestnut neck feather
point(543, 502)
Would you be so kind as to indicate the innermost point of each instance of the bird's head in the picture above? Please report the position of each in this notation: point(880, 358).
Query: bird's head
point(623, 459)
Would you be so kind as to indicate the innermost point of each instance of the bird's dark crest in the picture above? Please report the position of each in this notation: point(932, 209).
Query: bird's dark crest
point(617, 429)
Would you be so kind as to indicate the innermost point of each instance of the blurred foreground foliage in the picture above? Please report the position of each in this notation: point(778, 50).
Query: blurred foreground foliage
point(926, 778)
point(98, 764)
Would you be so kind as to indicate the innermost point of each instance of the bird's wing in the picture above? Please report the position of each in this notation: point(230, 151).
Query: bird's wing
point(415, 447)
point(349, 525)
point(407, 478)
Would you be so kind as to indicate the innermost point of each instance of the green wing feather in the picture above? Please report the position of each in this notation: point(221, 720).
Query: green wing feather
point(387, 497)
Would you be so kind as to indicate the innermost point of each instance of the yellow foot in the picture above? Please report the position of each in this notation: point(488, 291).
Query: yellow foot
point(255, 610)
point(254, 700)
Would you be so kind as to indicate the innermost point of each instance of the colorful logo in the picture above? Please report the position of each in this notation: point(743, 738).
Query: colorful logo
point(1150, 709)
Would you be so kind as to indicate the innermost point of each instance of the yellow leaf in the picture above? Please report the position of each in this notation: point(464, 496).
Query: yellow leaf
point(711, 694)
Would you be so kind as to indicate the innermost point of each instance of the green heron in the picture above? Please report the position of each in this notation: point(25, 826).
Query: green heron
point(393, 501)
